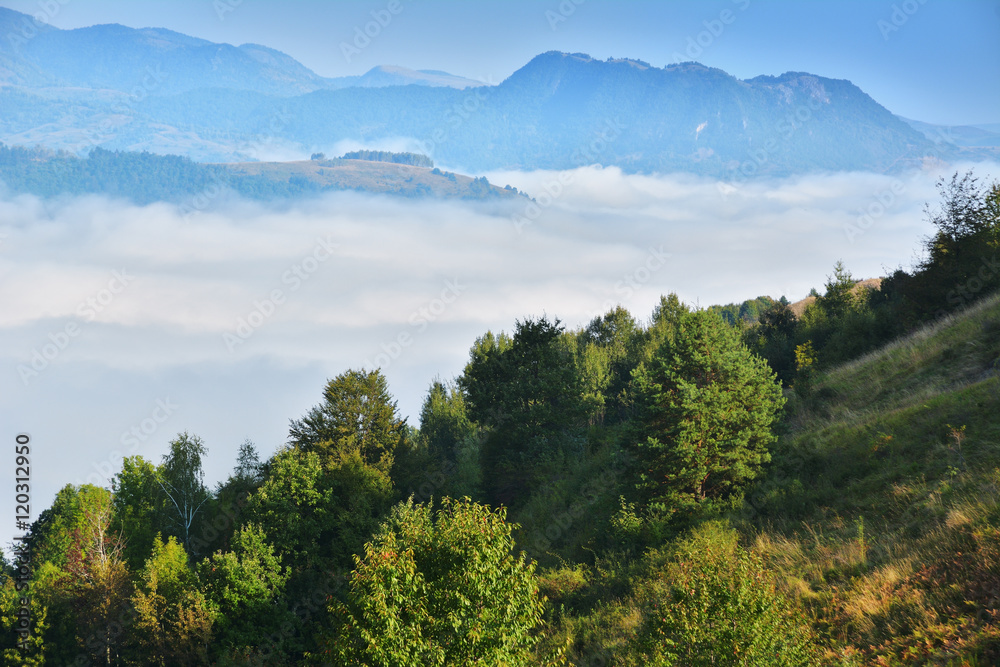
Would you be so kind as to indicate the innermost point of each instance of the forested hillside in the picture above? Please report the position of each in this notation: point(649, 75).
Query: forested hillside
point(145, 178)
point(728, 486)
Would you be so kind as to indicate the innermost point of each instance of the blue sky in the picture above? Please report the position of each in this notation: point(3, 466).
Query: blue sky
point(931, 60)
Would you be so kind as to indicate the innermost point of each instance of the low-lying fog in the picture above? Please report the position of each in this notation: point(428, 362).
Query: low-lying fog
point(226, 323)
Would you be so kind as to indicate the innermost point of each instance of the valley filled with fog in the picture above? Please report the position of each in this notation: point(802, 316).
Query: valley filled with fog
point(129, 324)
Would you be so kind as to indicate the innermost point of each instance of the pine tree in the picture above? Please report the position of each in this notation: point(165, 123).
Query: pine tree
point(709, 406)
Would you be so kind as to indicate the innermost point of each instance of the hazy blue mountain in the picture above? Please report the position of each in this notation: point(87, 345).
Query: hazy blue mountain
point(960, 135)
point(566, 110)
point(164, 92)
point(392, 75)
point(164, 62)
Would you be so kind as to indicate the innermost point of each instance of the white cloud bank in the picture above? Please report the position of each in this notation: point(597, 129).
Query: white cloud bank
point(235, 317)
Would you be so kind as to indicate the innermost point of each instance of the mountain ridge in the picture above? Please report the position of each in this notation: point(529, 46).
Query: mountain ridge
point(222, 103)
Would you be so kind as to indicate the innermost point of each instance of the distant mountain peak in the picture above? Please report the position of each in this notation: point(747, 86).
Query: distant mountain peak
point(559, 111)
point(396, 75)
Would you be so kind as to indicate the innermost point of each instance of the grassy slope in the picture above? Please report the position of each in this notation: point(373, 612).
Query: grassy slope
point(879, 513)
point(883, 507)
point(368, 176)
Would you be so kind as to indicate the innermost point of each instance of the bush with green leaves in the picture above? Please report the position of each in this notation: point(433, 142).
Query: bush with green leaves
point(440, 587)
point(713, 603)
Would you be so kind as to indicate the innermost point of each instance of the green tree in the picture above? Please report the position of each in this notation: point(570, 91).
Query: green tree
point(773, 338)
point(708, 409)
point(450, 440)
point(317, 517)
point(609, 351)
point(666, 316)
point(228, 505)
point(244, 588)
point(444, 422)
point(52, 533)
point(182, 482)
point(33, 650)
point(173, 625)
point(960, 262)
point(99, 584)
point(841, 293)
point(713, 604)
point(357, 415)
point(529, 395)
point(440, 588)
point(137, 514)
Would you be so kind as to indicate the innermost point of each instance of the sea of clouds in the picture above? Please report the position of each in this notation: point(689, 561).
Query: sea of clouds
point(122, 325)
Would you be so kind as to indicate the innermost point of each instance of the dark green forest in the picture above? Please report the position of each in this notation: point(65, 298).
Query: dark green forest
point(737, 485)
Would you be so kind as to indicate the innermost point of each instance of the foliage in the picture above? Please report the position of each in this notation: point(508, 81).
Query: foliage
point(181, 479)
point(172, 622)
point(749, 311)
point(136, 516)
point(621, 450)
point(526, 391)
point(444, 456)
point(99, 583)
point(714, 603)
point(709, 406)
point(244, 588)
point(440, 588)
point(52, 533)
point(317, 517)
point(357, 416)
point(609, 351)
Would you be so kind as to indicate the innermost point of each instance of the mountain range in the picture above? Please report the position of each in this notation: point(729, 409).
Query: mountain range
point(160, 91)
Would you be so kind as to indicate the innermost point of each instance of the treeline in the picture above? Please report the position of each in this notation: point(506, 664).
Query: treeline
point(960, 265)
point(145, 178)
point(346, 547)
point(142, 178)
point(413, 159)
point(565, 499)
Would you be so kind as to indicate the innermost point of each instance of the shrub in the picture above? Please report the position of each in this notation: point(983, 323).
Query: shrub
point(713, 603)
point(440, 588)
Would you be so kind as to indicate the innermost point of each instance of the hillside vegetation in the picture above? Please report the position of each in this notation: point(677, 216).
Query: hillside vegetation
point(879, 515)
point(731, 486)
point(145, 178)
